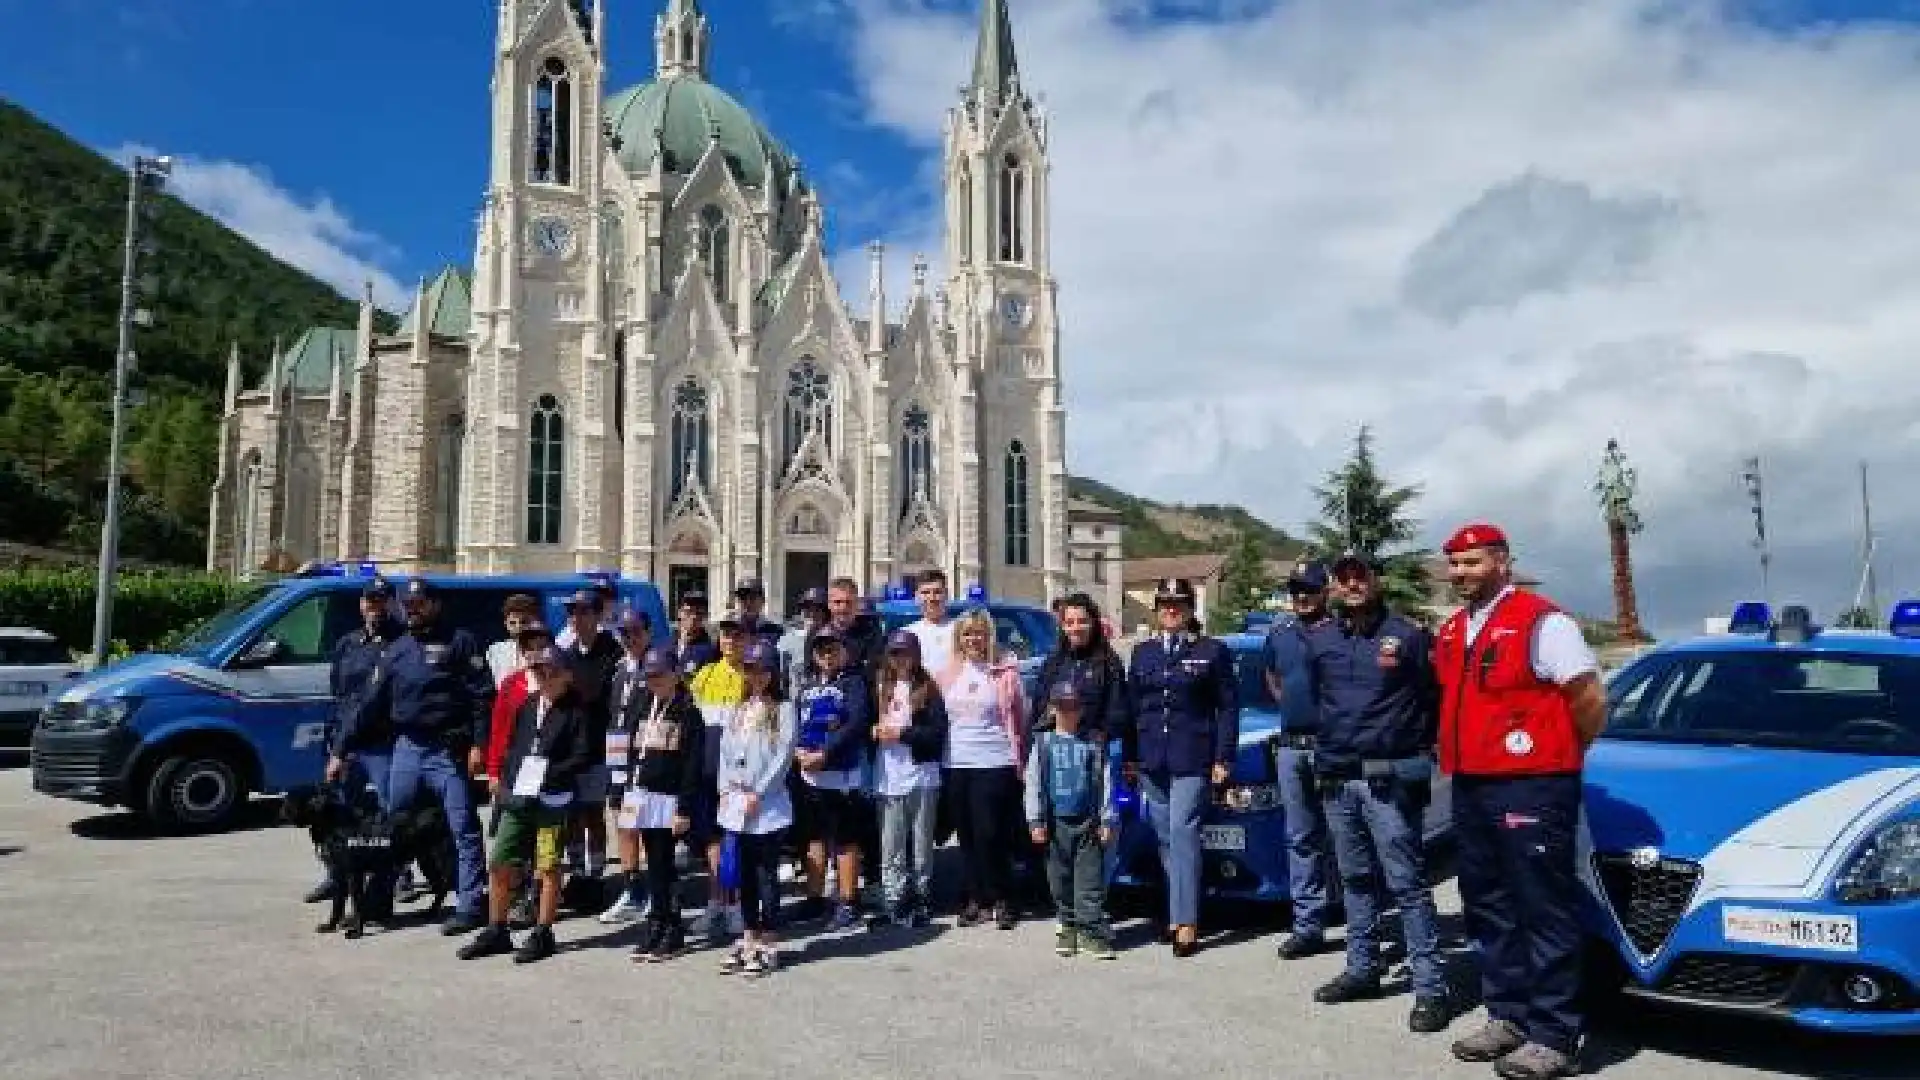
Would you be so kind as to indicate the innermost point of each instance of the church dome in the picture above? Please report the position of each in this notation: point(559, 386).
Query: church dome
point(689, 112)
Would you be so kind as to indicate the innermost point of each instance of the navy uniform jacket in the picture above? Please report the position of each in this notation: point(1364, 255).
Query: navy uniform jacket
point(697, 653)
point(1373, 682)
point(1186, 706)
point(433, 687)
point(352, 663)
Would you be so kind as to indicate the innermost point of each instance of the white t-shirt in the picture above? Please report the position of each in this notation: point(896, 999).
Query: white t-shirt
point(1560, 651)
point(503, 659)
point(899, 775)
point(976, 739)
point(936, 646)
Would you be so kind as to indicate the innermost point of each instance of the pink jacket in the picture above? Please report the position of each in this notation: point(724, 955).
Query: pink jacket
point(1013, 699)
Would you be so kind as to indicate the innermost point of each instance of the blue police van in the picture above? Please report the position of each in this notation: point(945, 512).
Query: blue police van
point(242, 707)
point(1753, 823)
point(1028, 632)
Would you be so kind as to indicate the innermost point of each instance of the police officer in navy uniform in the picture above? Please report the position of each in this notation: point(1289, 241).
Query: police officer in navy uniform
point(1181, 745)
point(1521, 702)
point(1285, 657)
point(434, 690)
point(351, 665)
point(1370, 672)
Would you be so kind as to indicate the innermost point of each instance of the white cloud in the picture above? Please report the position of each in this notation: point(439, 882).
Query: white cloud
point(1502, 232)
point(312, 234)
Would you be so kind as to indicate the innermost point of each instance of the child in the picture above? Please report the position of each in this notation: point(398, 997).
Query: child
point(834, 718)
point(546, 754)
point(717, 690)
point(1070, 810)
point(912, 734)
point(627, 686)
point(756, 749)
point(514, 691)
point(664, 777)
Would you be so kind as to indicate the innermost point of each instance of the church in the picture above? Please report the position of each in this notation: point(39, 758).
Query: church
point(651, 368)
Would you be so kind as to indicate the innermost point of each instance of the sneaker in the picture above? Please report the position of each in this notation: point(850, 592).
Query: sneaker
point(1348, 986)
point(649, 940)
point(1430, 1015)
point(409, 888)
point(1098, 947)
point(735, 961)
point(536, 946)
point(1302, 945)
point(1066, 941)
point(492, 941)
point(672, 942)
point(623, 911)
point(1492, 1042)
point(736, 922)
point(769, 957)
point(755, 965)
point(844, 918)
point(1535, 1062)
point(971, 915)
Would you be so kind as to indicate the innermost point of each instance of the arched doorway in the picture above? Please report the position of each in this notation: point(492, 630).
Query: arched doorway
point(689, 561)
point(806, 543)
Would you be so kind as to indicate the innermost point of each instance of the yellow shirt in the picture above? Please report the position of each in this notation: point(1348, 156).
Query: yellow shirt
point(719, 683)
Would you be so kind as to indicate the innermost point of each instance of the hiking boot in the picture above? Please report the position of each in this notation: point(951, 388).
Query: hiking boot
point(1301, 946)
point(1535, 1062)
point(1098, 947)
point(1492, 1042)
point(1348, 986)
point(1066, 941)
point(492, 941)
point(1430, 1015)
point(536, 946)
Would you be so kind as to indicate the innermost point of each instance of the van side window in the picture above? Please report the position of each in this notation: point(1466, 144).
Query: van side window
point(477, 611)
point(307, 630)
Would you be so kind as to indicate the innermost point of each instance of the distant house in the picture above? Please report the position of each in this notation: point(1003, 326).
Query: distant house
point(1094, 561)
point(1141, 577)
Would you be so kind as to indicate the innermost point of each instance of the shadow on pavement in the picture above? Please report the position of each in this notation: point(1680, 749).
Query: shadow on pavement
point(124, 825)
point(10, 849)
point(1626, 1028)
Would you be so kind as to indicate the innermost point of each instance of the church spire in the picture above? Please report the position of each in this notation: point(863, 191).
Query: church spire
point(680, 41)
point(995, 71)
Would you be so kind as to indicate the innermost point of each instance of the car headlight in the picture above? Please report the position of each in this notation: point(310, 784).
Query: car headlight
point(88, 715)
point(1251, 798)
point(1887, 868)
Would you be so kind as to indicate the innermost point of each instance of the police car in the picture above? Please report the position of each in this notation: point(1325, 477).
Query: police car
point(243, 706)
point(1753, 823)
point(33, 667)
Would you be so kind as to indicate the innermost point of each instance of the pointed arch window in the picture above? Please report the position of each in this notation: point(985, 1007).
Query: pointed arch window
point(546, 451)
point(809, 407)
point(447, 459)
point(916, 456)
point(1013, 210)
point(692, 437)
point(1019, 551)
point(552, 150)
point(716, 248)
point(965, 225)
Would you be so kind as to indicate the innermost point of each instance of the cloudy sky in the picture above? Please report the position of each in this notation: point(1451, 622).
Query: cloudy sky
point(1499, 231)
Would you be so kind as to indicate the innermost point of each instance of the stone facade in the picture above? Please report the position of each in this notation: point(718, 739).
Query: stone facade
point(1094, 560)
point(653, 369)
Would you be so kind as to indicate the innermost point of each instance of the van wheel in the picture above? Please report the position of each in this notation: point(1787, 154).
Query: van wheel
point(198, 791)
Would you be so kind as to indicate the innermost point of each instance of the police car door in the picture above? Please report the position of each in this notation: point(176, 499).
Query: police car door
point(280, 681)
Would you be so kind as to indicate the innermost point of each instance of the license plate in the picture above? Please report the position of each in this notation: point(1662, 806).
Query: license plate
point(1791, 929)
point(1223, 838)
point(24, 689)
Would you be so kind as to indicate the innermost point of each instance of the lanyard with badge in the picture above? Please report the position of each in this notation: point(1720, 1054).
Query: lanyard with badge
point(619, 739)
point(641, 809)
point(533, 768)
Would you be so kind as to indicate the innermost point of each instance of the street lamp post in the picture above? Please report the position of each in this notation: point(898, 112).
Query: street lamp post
point(144, 177)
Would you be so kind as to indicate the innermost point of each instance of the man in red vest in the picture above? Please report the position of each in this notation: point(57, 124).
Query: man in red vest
point(1520, 703)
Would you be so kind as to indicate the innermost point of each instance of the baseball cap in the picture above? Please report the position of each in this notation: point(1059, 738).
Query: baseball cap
point(1065, 694)
point(749, 587)
point(1353, 560)
point(1477, 535)
point(1309, 577)
point(547, 657)
point(761, 655)
point(583, 598)
point(903, 641)
point(694, 598)
point(377, 589)
point(634, 621)
point(827, 635)
point(422, 588)
point(814, 597)
point(659, 660)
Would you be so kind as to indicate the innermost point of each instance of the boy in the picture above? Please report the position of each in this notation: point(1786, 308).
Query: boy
point(1070, 810)
point(546, 754)
point(835, 725)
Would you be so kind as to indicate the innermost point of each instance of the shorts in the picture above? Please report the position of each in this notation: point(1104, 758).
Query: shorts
point(537, 832)
point(834, 816)
point(591, 788)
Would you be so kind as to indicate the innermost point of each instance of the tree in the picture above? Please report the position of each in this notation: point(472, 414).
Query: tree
point(1245, 586)
point(1362, 513)
point(1856, 618)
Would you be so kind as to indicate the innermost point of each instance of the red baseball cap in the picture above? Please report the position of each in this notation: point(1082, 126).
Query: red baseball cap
point(1477, 535)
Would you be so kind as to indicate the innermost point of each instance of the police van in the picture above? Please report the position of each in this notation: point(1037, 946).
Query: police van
point(1753, 823)
point(182, 738)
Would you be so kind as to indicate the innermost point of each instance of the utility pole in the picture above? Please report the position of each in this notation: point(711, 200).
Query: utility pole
point(145, 177)
point(1866, 550)
point(1756, 494)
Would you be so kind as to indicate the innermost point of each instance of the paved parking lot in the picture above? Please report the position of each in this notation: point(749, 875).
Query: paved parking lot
point(124, 955)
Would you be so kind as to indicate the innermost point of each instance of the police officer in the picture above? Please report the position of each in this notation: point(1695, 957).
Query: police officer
point(433, 688)
point(1285, 656)
point(351, 667)
point(1186, 730)
point(1521, 702)
point(1370, 672)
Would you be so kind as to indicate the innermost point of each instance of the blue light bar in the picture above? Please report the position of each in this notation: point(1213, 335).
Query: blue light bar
point(1905, 619)
point(1752, 617)
point(898, 592)
point(976, 593)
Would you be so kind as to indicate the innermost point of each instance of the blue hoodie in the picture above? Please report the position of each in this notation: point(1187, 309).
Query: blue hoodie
point(836, 716)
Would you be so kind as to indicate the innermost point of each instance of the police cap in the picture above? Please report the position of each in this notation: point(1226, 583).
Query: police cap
point(1174, 590)
point(377, 589)
point(421, 589)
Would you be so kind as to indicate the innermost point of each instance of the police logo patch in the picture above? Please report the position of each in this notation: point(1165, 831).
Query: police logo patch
point(1519, 743)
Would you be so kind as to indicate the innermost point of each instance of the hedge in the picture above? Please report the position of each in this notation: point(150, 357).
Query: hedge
point(149, 607)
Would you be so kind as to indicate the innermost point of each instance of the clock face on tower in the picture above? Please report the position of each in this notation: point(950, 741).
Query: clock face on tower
point(1016, 310)
point(552, 236)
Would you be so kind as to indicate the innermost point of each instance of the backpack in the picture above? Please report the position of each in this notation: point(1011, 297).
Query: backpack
point(1068, 780)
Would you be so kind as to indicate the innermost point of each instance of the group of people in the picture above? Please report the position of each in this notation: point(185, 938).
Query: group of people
point(838, 742)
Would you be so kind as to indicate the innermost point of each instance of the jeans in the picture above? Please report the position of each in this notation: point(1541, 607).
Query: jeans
point(1077, 875)
point(416, 765)
point(662, 874)
point(906, 836)
point(1306, 821)
point(1174, 807)
point(1377, 834)
point(759, 861)
point(986, 815)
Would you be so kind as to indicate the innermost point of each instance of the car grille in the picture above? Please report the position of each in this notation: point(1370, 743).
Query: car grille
point(1738, 980)
point(1648, 900)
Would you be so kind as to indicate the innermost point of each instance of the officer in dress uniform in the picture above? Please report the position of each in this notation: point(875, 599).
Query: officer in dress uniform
point(1520, 703)
point(1370, 673)
point(434, 690)
point(1186, 730)
point(350, 668)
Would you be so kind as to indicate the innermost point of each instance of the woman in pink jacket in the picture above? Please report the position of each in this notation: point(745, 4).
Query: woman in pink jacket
point(986, 718)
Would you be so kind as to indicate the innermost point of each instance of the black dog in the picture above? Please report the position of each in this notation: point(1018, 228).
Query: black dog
point(360, 844)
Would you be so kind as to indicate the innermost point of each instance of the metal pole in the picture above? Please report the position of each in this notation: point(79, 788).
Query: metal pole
point(110, 527)
point(1867, 545)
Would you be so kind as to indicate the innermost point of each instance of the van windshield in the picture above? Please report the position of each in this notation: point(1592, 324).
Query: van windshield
point(209, 633)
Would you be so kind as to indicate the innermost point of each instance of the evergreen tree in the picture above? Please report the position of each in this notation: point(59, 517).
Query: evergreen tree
point(1362, 513)
point(1245, 585)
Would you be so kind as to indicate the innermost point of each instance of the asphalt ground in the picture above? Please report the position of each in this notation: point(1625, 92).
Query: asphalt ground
point(125, 955)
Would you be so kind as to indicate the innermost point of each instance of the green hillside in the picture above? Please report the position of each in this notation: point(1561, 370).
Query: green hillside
point(1155, 529)
point(62, 219)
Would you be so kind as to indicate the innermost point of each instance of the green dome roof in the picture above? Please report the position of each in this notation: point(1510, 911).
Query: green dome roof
point(689, 113)
point(449, 305)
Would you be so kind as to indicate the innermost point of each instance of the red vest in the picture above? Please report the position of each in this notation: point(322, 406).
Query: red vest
point(1498, 718)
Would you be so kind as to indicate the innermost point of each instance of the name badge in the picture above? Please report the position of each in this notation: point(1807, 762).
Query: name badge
point(532, 774)
point(617, 742)
point(436, 654)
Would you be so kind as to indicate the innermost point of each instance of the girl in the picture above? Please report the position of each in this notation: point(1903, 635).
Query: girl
point(755, 809)
point(988, 715)
point(626, 687)
point(663, 782)
point(912, 732)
